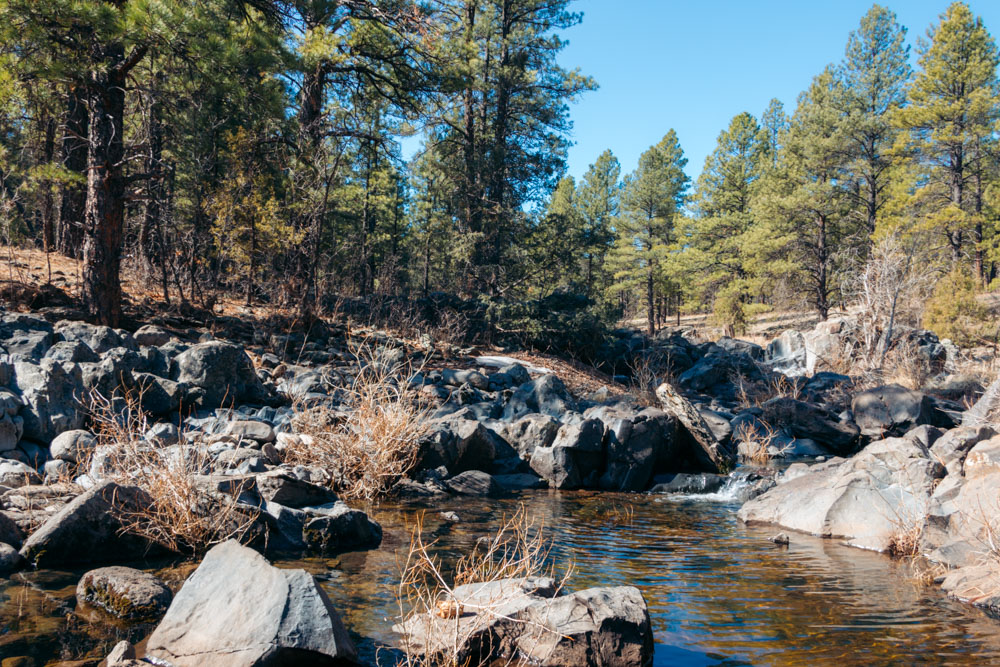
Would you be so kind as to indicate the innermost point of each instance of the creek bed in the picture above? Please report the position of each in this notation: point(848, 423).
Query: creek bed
point(719, 593)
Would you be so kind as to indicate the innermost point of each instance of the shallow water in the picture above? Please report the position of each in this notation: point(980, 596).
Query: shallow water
point(719, 593)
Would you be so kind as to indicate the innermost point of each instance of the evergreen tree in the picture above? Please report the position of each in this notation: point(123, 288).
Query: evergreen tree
point(598, 200)
point(873, 76)
point(652, 197)
point(952, 111)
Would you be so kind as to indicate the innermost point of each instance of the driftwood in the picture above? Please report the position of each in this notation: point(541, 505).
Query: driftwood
point(709, 451)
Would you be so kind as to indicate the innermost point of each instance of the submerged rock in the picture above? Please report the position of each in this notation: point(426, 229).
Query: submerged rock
point(125, 593)
point(236, 610)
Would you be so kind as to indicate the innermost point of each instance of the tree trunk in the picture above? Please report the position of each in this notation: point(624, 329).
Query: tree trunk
point(74, 195)
point(105, 210)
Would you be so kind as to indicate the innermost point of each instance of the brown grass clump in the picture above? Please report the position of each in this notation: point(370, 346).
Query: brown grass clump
point(185, 513)
point(517, 554)
point(375, 440)
point(758, 445)
point(904, 542)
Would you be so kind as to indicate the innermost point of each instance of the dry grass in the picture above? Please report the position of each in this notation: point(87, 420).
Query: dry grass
point(183, 515)
point(517, 554)
point(904, 542)
point(758, 444)
point(367, 448)
point(648, 371)
point(751, 394)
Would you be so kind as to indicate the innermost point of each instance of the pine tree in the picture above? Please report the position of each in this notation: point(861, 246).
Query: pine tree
point(598, 199)
point(873, 77)
point(952, 110)
point(652, 197)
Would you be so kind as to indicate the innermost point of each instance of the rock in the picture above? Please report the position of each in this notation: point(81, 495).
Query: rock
point(161, 396)
point(890, 411)
point(15, 474)
point(459, 444)
point(781, 539)
point(869, 500)
point(11, 430)
point(122, 652)
point(74, 351)
point(25, 337)
point(636, 447)
point(125, 593)
point(250, 430)
point(530, 431)
point(977, 584)
point(238, 610)
point(10, 533)
point(163, 434)
point(51, 391)
point(707, 450)
point(153, 335)
point(596, 627)
point(983, 458)
point(90, 529)
point(952, 447)
point(717, 368)
point(223, 371)
point(99, 339)
point(546, 395)
point(690, 483)
point(340, 528)
point(987, 409)
point(805, 420)
point(73, 446)
point(475, 483)
point(281, 487)
point(10, 560)
point(575, 458)
point(456, 378)
point(10, 403)
point(58, 470)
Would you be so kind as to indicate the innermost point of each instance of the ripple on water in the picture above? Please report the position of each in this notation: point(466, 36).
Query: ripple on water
point(719, 593)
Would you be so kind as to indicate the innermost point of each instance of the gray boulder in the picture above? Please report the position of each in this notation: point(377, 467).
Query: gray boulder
point(74, 350)
point(576, 457)
point(871, 500)
point(238, 610)
point(10, 560)
point(52, 392)
point(986, 410)
point(90, 528)
point(11, 430)
point(339, 528)
point(152, 335)
point(73, 446)
point(546, 394)
point(25, 337)
point(475, 483)
point(805, 420)
point(637, 446)
point(525, 618)
point(15, 474)
point(223, 371)
point(160, 396)
point(98, 338)
point(459, 444)
point(531, 431)
point(125, 593)
point(890, 411)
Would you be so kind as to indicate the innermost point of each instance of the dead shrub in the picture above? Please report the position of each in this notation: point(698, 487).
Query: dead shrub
point(185, 514)
point(372, 442)
point(517, 554)
point(758, 445)
point(648, 371)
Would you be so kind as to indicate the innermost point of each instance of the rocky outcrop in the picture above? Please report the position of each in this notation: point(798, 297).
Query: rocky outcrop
point(223, 371)
point(238, 610)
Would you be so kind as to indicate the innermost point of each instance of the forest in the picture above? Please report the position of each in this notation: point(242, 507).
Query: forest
point(252, 148)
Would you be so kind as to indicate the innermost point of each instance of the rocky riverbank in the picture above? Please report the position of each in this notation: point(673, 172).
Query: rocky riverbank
point(891, 469)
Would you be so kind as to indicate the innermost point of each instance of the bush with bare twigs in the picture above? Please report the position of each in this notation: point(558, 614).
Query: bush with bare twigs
point(758, 442)
point(374, 440)
point(185, 513)
point(452, 620)
point(648, 371)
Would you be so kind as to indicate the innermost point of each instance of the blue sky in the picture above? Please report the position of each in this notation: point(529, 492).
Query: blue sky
point(694, 65)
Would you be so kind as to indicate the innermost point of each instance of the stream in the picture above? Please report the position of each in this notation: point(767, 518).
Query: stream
point(719, 593)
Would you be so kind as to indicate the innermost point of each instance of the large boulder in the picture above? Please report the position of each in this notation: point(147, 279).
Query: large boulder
point(74, 446)
point(125, 593)
point(91, 528)
point(52, 392)
point(890, 411)
point(638, 445)
point(223, 371)
point(987, 409)
point(531, 431)
point(576, 457)
point(719, 367)
point(340, 528)
point(236, 610)
point(546, 394)
point(25, 337)
point(459, 444)
point(873, 500)
point(501, 620)
point(706, 450)
point(805, 420)
point(98, 338)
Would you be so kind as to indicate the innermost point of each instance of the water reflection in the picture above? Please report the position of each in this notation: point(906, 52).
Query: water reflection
point(719, 593)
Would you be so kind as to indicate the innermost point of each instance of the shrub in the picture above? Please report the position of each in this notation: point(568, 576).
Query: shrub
point(368, 448)
point(954, 312)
